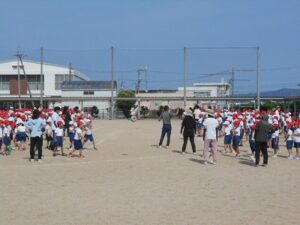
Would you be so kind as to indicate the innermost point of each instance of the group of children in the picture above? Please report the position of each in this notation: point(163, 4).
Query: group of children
point(239, 126)
point(58, 124)
point(235, 125)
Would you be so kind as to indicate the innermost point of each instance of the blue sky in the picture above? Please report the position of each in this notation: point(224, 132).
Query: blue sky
point(153, 33)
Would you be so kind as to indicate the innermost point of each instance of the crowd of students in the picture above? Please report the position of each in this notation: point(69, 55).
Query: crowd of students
point(19, 126)
point(236, 127)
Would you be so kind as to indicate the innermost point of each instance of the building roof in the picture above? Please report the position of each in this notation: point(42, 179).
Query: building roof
point(9, 67)
point(87, 85)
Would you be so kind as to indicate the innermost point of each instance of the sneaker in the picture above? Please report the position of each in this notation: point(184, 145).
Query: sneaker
point(297, 157)
point(214, 163)
point(205, 163)
point(159, 146)
point(252, 158)
point(182, 153)
point(39, 160)
point(194, 153)
point(95, 148)
point(31, 160)
point(290, 157)
point(264, 165)
point(237, 155)
point(275, 156)
point(167, 146)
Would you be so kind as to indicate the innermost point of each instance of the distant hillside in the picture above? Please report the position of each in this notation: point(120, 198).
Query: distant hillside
point(278, 93)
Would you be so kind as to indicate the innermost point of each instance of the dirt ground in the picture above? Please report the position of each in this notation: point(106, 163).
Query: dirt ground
point(128, 180)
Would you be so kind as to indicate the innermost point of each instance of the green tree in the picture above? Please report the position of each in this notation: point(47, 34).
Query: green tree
point(125, 105)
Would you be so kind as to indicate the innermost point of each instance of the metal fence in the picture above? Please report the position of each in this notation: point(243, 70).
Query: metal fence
point(168, 69)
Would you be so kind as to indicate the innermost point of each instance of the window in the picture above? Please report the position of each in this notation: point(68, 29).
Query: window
point(4, 82)
point(88, 93)
point(34, 82)
point(59, 79)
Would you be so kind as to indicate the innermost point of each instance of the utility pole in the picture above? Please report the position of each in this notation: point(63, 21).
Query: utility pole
point(232, 82)
point(139, 81)
point(42, 78)
point(258, 76)
point(70, 71)
point(19, 81)
point(112, 82)
point(184, 75)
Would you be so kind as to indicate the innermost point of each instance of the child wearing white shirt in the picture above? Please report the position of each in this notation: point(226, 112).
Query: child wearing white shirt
point(297, 140)
point(289, 141)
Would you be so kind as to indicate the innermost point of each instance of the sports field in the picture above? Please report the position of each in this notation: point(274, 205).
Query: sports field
point(128, 180)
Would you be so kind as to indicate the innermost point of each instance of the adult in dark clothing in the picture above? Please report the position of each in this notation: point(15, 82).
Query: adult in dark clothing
point(67, 118)
point(188, 128)
point(261, 139)
point(167, 128)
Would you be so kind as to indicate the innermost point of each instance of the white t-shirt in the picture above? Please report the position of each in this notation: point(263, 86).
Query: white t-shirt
point(197, 113)
point(48, 129)
point(297, 135)
point(275, 134)
point(54, 118)
point(6, 131)
point(237, 131)
point(227, 130)
point(78, 133)
point(21, 129)
point(290, 135)
point(211, 125)
point(59, 132)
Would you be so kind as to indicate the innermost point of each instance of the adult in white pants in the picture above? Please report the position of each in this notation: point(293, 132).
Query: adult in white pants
point(210, 139)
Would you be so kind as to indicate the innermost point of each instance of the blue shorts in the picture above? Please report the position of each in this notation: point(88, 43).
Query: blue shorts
point(236, 141)
point(199, 125)
point(6, 141)
point(275, 143)
point(242, 134)
point(59, 141)
point(252, 145)
point(227, 139)
point(297, 144)
point(89, 137)
point(289, 144)
point(21, 136)
point(78, 145)
point(269, 136)
point(71, 136)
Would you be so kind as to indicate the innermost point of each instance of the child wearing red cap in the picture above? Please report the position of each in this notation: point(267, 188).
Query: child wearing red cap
point(275, 140)
point(78, 140)
point(59, 135)
point(297, 139)
point(236, 137)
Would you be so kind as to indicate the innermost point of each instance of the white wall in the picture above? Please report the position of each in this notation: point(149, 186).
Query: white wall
point(34, 68)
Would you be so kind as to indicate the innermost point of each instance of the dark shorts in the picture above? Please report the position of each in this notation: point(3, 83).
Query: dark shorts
point(71, 136)
point(6, 141)
point(21, 136)
point(289, 144)
point(59, 141)
point(227, 139)
point(297, 144)
point(89, 137)
point(269, 136)
point(236, 141)
point(275, 143)
point(252, 145)
point(78, 145)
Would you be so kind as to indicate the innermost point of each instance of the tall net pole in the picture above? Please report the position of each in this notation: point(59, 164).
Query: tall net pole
point(112, 83)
